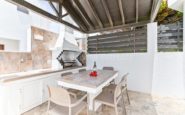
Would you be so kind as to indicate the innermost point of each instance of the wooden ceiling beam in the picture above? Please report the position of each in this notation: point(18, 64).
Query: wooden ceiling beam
point(72, 12)
point(107, 12)
point(137, 11)
point(120, 27)
point(121, 11)
point(91, 7)
point(83, 13)
point(54, 8)
point(51, 0)
point(61, 1)
point(154, 10)
point(43, 13)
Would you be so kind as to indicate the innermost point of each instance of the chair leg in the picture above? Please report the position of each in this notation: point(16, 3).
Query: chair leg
point(70, 111)
point(48, 107)
point(116, 109)
point(102, 108)
point(87, 110)
point(128, 97)
point(123, 105)
point(94, 111)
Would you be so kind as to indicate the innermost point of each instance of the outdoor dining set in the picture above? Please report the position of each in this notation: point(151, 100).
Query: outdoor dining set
point(77, 91)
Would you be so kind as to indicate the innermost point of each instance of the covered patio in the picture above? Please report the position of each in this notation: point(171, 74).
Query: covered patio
point(130, 57)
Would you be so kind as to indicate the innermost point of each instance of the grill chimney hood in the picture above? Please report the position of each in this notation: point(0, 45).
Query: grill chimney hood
point(66, 41)
point(70, 43)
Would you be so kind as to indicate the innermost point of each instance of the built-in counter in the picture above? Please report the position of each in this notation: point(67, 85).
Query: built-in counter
point(20, 92)
point(34, 73)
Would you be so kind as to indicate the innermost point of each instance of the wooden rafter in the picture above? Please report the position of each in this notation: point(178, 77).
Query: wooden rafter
point(137, 11)
point(42, 12)
point(54, 8)
point(79, 13)
point(155, 8)
point(153, 4)
point(91, 7)
point(83, 13)
point(121, 11)
point(120, 27)
point(64, 15)
point(60, 9)
point(66, 4)
point(61, 15)
point(107, 12)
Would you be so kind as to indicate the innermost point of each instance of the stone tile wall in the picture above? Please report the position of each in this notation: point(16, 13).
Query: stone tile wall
point(38, 58)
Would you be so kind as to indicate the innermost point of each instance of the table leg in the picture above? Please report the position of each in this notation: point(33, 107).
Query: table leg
point(90, 100)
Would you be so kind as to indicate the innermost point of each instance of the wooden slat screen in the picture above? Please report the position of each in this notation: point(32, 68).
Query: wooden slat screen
point(119, 42)
point(170, 37)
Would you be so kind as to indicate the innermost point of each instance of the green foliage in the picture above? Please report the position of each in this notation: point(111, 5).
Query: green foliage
point(163, 6)
point(167, 15)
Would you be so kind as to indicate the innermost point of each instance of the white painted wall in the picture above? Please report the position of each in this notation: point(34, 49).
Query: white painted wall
point(168, 75)
point(44, 23)
point(138, 65)
point(16, 25)
point(10, 44)
point(152, 72)
point(184, 46)
point(10, 29)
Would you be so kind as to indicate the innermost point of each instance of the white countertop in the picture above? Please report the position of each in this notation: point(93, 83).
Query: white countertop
point(31, 73)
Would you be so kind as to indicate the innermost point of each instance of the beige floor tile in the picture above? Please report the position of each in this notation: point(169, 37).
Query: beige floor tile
point(141, 104)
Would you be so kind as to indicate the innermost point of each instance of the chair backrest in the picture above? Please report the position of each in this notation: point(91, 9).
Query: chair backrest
point(117, 93)
point(59, 96)
point(118, 90)
point(67, 73)
point(82, 70)
point(124, 80)
point(108, 68)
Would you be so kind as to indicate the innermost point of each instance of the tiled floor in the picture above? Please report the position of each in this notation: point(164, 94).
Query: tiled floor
point(141, 104)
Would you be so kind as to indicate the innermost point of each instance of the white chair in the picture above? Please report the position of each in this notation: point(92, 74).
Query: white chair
point(67, 73)
point(111, 99)
point(82, 70)
point(67, 105)
point(108, 68)
point(123, 82)
point(112, 69)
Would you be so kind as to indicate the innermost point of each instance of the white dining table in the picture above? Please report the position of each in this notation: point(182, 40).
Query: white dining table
point(92, 85)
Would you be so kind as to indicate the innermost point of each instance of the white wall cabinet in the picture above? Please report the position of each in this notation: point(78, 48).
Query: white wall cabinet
point(31, 95)
point(50, 81)
point(20, 96)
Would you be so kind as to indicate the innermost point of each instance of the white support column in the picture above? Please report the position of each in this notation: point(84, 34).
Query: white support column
point(152, 49)
point(152, 38)
point(168, 77)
